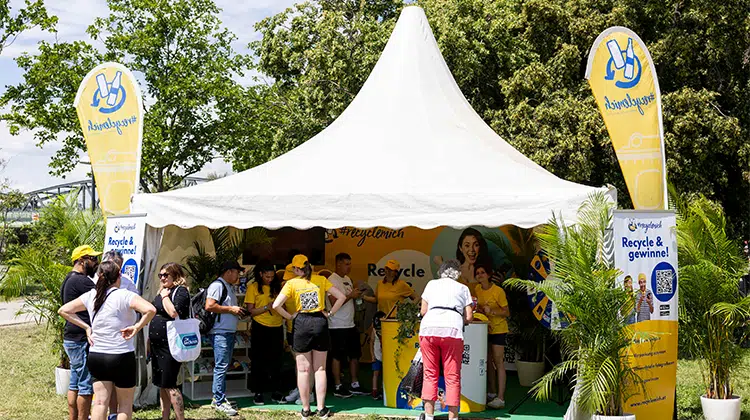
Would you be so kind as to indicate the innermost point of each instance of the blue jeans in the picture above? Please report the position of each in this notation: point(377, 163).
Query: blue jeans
point(80, 378)
point(223, 344)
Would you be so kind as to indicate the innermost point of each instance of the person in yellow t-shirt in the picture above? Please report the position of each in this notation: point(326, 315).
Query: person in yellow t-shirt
point(492, 302)
point(310, 328)
point(267, 333)
point(391, 290)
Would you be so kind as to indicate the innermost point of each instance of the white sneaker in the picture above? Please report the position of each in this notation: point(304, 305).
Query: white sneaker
point(496, 403)
point(293, 396)
point(226, 408)
point(312, 398)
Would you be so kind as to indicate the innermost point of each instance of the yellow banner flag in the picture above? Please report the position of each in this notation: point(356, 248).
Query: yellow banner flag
point(110, 110)
point(623, 79)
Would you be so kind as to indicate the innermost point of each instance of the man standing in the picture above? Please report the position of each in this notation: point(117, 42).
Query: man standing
point(345, 343)
point(644, 299)
point(77, 282)
point(221, 300)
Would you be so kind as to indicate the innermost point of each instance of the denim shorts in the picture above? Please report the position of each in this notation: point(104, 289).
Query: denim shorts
point(80, 378)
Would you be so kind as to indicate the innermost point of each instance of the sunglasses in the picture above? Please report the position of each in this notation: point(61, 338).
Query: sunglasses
point(90, 258)
point(163, 275)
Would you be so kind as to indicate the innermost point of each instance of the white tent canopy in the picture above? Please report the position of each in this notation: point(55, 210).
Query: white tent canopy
point(408, 151)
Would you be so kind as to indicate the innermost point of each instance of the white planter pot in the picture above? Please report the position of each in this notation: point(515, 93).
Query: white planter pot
point(529, 372)
point(62, 380)
point(625, 416)
point(714, 409)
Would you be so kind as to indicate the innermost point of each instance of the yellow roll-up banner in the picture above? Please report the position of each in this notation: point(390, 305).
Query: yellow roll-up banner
point(623, 79)
point(110, 110)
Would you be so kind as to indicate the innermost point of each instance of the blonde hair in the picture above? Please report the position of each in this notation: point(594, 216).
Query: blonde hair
point(177, 272)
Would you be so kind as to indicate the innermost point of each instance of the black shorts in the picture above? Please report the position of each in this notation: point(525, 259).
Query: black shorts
point(345, 344)
point(164, 367)
point(310, 333)
point(117, 368)
point(497, 339)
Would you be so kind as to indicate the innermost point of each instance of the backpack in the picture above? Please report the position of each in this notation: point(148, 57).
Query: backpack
point(205, 318)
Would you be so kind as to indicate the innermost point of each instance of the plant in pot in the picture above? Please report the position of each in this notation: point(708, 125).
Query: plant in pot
point(711, 307)
point(528, 339)
point(407, 315)
point(583, 285)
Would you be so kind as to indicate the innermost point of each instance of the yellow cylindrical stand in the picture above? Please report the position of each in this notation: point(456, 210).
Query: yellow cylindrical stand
point(473, 369)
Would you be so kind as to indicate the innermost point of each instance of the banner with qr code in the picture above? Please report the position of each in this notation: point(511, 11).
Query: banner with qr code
point(646, 255)
point(125, 234)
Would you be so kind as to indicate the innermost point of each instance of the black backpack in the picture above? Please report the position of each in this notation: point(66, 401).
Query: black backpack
point(198, 303)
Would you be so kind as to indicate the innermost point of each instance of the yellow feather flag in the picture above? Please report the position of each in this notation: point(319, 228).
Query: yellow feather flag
point(110, 110)
point(623, 79)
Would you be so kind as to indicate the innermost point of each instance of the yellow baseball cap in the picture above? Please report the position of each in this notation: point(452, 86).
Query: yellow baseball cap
point(289, 273)
point(393, 265)
point(83, 251)
point(299, 261)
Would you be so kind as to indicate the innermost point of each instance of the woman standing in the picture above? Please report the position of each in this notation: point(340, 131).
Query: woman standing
point(492, 302)
point(446, 308)
point(391, 290)
point(267, 336)
point(311, 340)
point(172, 302)
point(111, 360)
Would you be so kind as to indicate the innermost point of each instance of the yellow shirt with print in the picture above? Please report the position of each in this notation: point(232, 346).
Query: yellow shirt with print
point(494, 297)
point(390, 294)
point(269, 318)
point(307, 296)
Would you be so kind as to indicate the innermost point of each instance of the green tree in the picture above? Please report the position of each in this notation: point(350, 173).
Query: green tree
point(10, 200)
point(186, 65)
point(12, 23)
point(521, 63)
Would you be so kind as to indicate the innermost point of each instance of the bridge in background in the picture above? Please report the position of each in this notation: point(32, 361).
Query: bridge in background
point(84, 190)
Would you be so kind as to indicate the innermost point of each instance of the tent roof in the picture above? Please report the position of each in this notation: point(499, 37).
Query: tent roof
point(408, 151)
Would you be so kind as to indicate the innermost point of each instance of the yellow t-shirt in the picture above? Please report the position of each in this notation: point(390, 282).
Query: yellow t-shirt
point(494, 297)
point(390, 294)
point(268, 319)
point(308, 296)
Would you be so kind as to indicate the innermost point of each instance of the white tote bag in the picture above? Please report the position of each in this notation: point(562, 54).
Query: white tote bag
point(184, 337)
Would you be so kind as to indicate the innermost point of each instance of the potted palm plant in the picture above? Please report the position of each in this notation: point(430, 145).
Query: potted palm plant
point(583, 286)
point(711, 307)
point(37, 272)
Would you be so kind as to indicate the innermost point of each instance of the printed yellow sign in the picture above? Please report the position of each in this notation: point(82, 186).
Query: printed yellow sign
point(623, 79)
point(110, 111)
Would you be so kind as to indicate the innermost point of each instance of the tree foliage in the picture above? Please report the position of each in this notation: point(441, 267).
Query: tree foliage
point(12, 23)
point(187, 67)
point(521, 64)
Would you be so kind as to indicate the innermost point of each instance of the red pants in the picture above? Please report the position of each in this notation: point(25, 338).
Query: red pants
point(449, 353)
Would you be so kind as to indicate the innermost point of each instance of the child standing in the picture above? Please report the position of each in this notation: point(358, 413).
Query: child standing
point(376, 350)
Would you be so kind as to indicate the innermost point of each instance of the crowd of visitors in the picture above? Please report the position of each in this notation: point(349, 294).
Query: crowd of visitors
point(310, 313)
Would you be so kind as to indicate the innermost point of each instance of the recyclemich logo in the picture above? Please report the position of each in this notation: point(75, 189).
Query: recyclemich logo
point(124, 227)
point(625, 60)
point(113, 93)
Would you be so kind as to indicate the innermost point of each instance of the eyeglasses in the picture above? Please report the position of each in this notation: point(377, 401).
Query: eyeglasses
point(163, 275)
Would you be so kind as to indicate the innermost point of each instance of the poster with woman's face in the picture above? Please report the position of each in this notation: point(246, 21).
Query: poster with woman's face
point(472, 247)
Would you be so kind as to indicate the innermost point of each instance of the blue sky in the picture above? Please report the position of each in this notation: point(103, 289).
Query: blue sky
point(27, 164)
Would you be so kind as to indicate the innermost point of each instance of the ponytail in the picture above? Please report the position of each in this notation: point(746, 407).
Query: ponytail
point(307, 270)
point(109, 273)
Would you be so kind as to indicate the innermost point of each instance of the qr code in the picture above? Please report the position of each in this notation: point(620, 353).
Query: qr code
point(309, 301)
point(465, 359)
point(129, 270)
point(664, 282)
